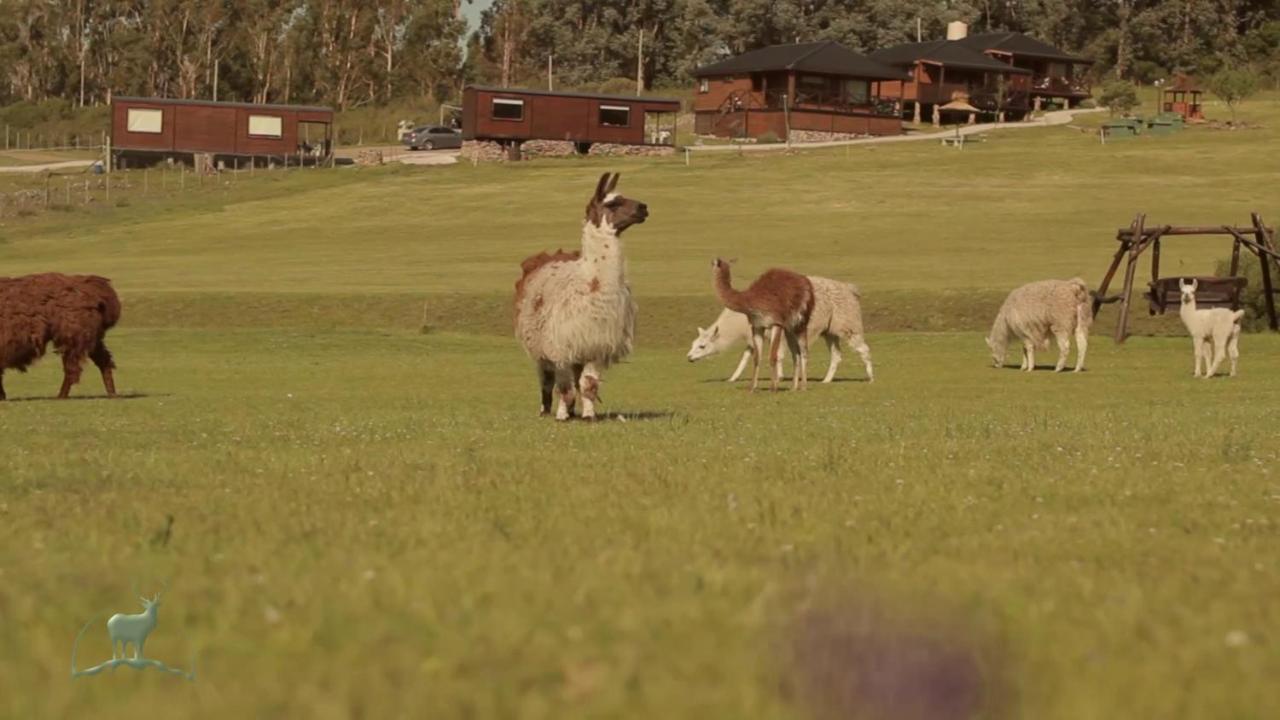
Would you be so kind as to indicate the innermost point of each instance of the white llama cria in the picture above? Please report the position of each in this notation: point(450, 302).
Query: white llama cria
point(837, 316)
point(1038, 310)
point(574, 311)
point(1215, 330)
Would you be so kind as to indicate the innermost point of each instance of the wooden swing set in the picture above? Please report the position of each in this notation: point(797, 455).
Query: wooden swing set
point(1213, 291)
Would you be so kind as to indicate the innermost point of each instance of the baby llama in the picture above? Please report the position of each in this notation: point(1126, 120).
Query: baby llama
point(778, 298)
point(1037, 310)
point(574, 313)
point(837, 316)
point(1215, 329)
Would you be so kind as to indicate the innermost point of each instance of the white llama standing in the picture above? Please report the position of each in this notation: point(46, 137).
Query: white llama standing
point(1215, 330)
point(574, 311)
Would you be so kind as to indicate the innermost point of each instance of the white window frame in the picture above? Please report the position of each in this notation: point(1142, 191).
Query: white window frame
point(265, 132)
point(139, 120)
point(515, 102)
point(704, 86)
point(623, 108)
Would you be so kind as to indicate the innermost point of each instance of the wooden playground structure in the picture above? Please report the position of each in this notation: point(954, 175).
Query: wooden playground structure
point(1163, 292)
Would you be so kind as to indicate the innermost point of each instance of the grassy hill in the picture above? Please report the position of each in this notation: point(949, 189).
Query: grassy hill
point(369, 521)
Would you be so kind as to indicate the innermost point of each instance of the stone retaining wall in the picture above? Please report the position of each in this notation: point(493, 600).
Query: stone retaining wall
point(812, 136)
point(487, 151)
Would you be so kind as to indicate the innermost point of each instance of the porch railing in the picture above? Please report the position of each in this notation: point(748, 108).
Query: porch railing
point(1060, 85)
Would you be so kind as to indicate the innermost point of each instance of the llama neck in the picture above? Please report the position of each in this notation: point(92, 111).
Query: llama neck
point(1188, 308)
point(1000, 335)
point(602, 253)
point(730, 298)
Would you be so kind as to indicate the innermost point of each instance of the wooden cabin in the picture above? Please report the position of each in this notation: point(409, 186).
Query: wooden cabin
point(512, 115)
point(160, 127)
point(1183, 97)
point(820, 87)
point(944, 72)
point(1057, 76)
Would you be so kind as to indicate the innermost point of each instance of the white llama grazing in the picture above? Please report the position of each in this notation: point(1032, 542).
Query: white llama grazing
point(837, 315)
point(574, 311)
point(1037, 310)
point(1216, 329)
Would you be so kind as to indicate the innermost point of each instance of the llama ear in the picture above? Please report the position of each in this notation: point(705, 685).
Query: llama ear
point(613, 183)
point(600, 191)
point(701, 331)
point(715, 332)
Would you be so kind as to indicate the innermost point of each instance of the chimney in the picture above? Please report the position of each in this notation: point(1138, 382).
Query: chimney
point(957, 30)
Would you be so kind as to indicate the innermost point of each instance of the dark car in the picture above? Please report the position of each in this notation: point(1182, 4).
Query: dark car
point(432, 137)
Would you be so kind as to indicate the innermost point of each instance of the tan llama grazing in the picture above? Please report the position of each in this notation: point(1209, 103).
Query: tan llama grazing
point(1038, 310)
point(778, 298)
point(574, 313)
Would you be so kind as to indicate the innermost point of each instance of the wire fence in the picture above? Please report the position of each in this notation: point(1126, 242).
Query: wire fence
point(33, 194)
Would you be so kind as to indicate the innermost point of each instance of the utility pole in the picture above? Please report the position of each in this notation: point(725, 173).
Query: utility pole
point(550, 72)
point(640, 63)
point(919, 30)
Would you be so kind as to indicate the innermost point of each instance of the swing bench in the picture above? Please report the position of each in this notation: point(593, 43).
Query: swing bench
point(1164, 293)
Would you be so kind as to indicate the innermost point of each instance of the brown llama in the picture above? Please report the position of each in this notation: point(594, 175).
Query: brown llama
point(74, 312)
point(778, 298)
point(574, 313)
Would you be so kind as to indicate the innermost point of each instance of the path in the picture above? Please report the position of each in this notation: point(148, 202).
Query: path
point(1054, 117)
point(66, 165)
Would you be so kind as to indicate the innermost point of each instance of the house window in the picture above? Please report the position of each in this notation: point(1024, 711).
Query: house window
point(857, 92)
point(268, 126)
point(615, 115)
point(704, 85)
point(506, 109)
point(144, 121)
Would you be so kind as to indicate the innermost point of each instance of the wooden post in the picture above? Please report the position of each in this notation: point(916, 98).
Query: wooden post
point(46, 189)
point(107, 179)
point(1135, 249)
point(68, 195)
point(1111, 272)
point(1235, 258)
point(1260, 232)
point(86, 191)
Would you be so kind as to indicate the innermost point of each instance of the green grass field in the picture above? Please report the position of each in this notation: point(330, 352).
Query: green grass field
point(369, 520)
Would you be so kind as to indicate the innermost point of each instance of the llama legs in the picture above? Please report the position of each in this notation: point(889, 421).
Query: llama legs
point(588, 388)
point(1220, 340)
point(800, 360)
point(742, 364)
point(565, 381)
point(1082, 346)
point(547, 380)
point(1028, 356)
point(101, 357)
point(71, 366)
point(1197, 347)
point(833, 345)
point(1064, 350)
point(757, 342)
point(1233, 352)
point(860, 346)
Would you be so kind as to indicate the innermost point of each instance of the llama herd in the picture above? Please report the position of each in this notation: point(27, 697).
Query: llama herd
point(575, 316)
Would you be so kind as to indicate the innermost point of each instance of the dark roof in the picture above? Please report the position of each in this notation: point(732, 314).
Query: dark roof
point(1019, 44)
point(589, 96)
point(214, 103)
point(944, 52)
point(829, 57)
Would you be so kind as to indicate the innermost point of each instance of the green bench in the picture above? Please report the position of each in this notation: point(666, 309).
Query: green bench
point(1122, 129)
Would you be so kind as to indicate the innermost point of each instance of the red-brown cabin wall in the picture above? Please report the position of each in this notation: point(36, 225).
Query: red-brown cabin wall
point(215, 129)
point(551, 117)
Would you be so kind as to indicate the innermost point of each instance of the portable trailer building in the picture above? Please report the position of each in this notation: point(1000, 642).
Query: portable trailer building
point(512, 115)
point(166, 127)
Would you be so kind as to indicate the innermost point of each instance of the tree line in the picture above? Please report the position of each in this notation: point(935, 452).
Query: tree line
point(354, 53)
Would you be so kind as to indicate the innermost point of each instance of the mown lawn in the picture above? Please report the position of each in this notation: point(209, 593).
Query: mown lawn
point(369, 521)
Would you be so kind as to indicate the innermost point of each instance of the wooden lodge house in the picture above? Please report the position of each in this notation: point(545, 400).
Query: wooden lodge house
point(1057, 76)
point(150, 128)
point(944, 75)
point(820, 87)
point(512, 116)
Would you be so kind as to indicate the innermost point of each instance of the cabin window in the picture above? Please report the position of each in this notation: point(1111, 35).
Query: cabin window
point(504, 109)
point(268, 126)
point(857, 92)
point(615, 115)
point(141, 120)
point(704, 85)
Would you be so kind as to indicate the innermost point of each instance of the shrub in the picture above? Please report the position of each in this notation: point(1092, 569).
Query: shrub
point(1119, 95)
point(618, 86)
point(1252, 298)
point(1234, 87)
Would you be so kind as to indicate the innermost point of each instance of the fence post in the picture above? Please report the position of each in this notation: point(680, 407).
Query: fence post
point(86, 191)
point(107, 177)
point(68, 192)
point(47, 176)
